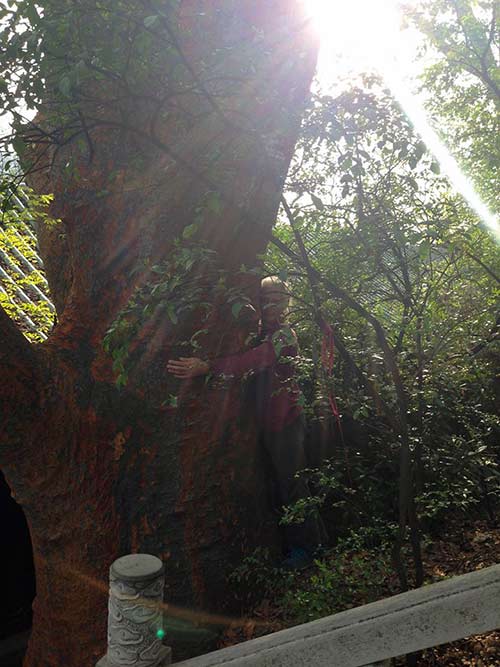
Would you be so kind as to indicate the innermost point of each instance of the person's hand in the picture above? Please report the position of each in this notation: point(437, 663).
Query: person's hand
point(187, 367)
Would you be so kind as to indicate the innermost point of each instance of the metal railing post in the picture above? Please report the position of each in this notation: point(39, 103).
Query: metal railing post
point(135, 619)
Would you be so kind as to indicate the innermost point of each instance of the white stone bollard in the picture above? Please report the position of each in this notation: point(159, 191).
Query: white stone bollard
point(135, 619)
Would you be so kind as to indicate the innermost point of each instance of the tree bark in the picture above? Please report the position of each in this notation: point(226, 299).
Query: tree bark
point(101, 471)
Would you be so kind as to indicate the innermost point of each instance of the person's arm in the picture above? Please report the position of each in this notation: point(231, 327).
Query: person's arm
point(256, 359)
point(187, 367)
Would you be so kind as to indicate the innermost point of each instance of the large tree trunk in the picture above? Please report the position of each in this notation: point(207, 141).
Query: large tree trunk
point(102, 471)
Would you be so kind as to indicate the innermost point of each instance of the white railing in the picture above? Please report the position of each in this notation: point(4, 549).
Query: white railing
point(403, 624)
point(370, 635)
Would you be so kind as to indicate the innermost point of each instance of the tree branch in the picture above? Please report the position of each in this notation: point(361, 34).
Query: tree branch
point(380, 334)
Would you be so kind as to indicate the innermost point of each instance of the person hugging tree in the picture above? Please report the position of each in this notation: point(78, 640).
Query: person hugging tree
point(280, 414)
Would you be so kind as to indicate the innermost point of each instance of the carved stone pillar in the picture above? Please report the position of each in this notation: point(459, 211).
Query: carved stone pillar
point(135, 617)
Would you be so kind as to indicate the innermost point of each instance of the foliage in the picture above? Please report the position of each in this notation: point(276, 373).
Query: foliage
point(462, 85)
point(343, 581)
point(74, 73)
point(190, 280)
point(56, 51)
point(356, 572)
point(257, 577)
point(175, 286)
point(23, 284)
point(377, 219)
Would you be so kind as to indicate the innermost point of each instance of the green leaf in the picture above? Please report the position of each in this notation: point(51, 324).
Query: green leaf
point(189, 231)
point(283, 275)
point(214, 203)
point(172, 401)
point(150, 21)
point(18, 145)
point(121, 380)
point(435, 168)
point(420, 149)
point(172, 315)
point(317, 202)
point(236, 308)
point(65, 86)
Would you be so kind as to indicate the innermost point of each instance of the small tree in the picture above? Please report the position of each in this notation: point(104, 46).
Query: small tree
point(376, 244)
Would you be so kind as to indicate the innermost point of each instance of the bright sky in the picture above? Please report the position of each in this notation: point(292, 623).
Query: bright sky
point(360, 34)
point(357, 35)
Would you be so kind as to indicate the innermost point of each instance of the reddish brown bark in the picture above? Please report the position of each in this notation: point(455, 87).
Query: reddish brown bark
point(99, 471)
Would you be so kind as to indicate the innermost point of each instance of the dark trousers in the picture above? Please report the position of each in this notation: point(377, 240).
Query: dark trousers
point(287, 452)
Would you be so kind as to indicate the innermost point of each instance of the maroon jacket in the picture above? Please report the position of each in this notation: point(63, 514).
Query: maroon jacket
point(273, 364)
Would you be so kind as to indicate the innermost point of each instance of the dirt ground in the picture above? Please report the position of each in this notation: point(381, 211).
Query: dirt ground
point(462, 548)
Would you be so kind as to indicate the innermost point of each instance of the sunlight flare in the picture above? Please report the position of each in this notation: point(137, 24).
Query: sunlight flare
point(447, 163)
point(360, 35)
point(360, 30)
